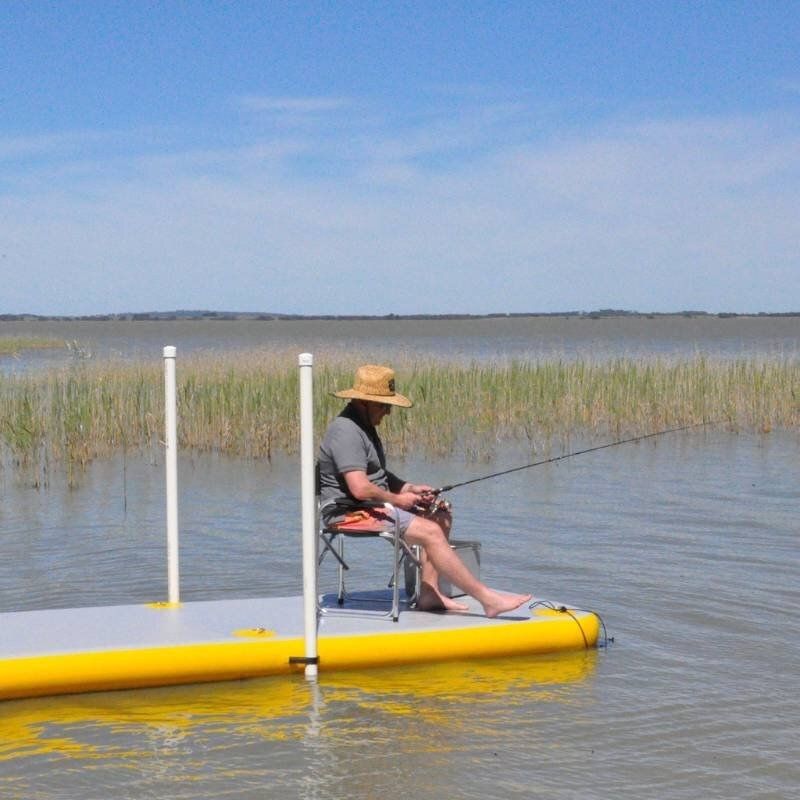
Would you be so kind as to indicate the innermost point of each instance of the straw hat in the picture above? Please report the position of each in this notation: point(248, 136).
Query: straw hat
point(376, 385)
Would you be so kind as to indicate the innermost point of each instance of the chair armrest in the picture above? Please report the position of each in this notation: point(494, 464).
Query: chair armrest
point(347, 503)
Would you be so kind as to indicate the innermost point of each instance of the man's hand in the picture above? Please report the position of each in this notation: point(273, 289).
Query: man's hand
point(419, 488)
point(425, 496)
point(408, 501)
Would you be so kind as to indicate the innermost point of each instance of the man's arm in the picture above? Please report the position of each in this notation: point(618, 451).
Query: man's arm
point(398, 485)
point(362, 488)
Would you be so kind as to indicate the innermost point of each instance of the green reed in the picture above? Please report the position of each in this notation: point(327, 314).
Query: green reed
point(247, 405)
point(11, 345)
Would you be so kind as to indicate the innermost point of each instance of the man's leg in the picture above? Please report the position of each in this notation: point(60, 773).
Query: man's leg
point(430, 536)
point(431, 598)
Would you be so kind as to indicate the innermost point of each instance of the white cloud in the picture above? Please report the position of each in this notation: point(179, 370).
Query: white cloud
point(655, 216)
point(791, 85)
point(23, 147)
point(293, 105)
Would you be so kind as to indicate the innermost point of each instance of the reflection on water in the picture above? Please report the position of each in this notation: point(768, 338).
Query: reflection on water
point(270, 732)
point(686, 545)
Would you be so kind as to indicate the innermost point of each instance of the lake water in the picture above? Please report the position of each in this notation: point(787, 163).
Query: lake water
point(495, 339)
point(687, 546)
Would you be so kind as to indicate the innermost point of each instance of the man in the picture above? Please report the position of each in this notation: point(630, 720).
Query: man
point(353, 465)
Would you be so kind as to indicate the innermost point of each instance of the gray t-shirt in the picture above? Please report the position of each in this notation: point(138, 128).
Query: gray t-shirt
point(350, 444)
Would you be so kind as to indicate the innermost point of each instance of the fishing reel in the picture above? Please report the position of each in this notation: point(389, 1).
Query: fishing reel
point(437, 505)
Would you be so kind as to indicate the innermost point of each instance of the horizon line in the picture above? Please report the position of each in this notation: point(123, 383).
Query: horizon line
point(190, 314)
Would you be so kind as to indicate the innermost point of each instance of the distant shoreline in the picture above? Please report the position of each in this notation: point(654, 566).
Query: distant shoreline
point(168, 316)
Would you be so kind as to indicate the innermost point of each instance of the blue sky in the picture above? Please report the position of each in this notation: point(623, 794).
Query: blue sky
point(409, 157)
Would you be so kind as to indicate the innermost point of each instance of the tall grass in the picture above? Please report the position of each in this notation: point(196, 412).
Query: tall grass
point(12, 345)
point(248, 405)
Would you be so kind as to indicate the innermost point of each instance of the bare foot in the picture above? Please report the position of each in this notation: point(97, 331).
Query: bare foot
point(431, 599)
point(496, 603)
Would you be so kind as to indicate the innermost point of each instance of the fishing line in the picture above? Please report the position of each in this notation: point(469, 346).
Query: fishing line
point(570, 455)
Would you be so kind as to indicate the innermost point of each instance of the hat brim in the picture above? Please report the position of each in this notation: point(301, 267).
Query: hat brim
point(390, 399)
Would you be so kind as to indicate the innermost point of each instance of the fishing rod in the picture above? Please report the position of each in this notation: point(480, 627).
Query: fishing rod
point(570, 455)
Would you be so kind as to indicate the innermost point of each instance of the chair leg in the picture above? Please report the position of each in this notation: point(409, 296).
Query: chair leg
point(401, 552)
point(340, 554)
point(327, 544)
point(409, 570)
point(412, 574)
point(396, 576)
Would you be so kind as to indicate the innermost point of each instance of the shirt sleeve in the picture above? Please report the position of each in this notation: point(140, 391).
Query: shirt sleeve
point(345, 446)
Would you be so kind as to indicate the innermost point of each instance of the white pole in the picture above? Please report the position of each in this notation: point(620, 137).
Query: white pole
point(308, 501)
point(171, 461)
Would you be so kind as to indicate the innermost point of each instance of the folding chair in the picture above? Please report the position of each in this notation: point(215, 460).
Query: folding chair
point(332, 538)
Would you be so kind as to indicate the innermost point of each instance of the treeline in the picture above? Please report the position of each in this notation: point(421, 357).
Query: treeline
point(161, 316)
